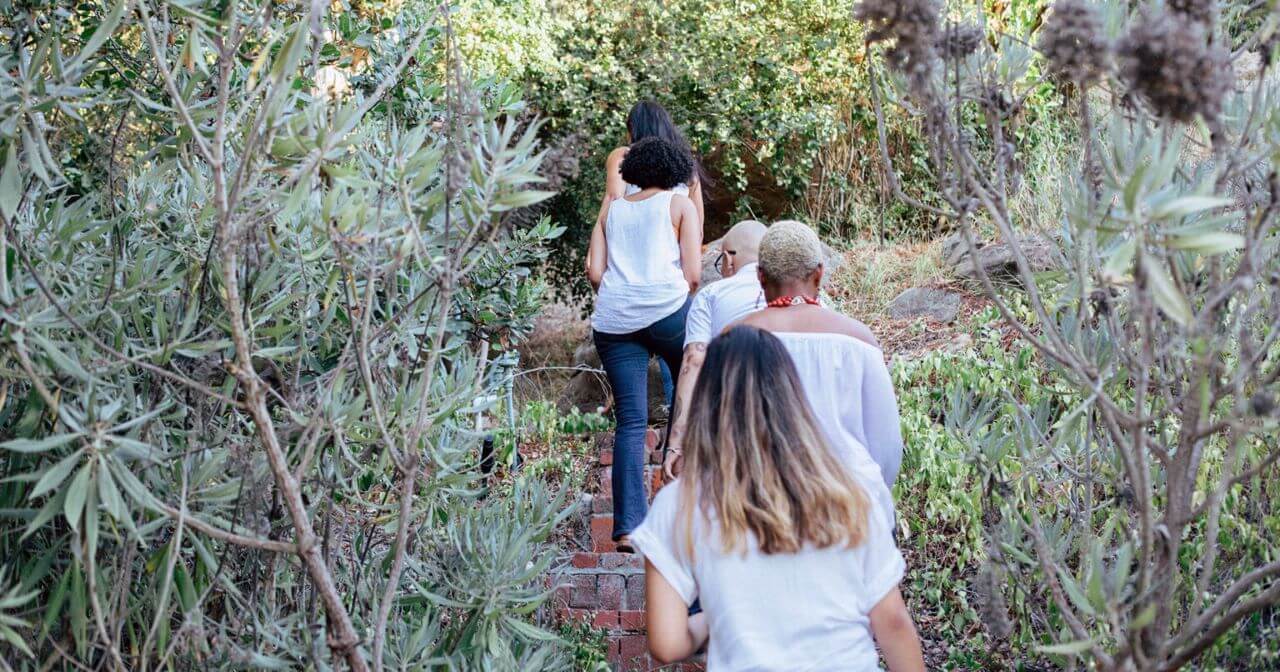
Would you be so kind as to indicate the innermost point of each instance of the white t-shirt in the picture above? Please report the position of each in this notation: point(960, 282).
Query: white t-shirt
point(851, 393)
point(796, 611)
point(722, 303)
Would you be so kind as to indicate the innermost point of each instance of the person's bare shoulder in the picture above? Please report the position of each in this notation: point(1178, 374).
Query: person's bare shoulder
point(759, 319)
point(681, 201)
point(615, 157)
point(856, 328)
point(682, 205)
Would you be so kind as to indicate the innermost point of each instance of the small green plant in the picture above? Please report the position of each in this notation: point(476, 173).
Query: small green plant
point(590, 646)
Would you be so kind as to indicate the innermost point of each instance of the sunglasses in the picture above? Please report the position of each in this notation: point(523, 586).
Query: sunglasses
point(720, 259)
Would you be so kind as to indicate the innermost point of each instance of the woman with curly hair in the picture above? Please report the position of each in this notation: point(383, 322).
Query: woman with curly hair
point(646, 260)
point(772, 530)
point(648, 119)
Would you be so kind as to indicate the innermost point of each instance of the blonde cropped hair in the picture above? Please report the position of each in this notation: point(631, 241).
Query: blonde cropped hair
point(789, 250)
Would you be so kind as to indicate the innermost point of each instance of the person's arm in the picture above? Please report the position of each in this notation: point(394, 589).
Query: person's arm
point(896, 634)
point(614, 188)
point(881, 422)
point(695, 195)
point(690, 367)
point(598, 251)
point(685, 218)
point(673, 636)
point(614, 185)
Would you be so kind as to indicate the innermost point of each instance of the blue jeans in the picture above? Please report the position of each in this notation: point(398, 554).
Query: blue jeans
point(668, 384)
point(626, 364)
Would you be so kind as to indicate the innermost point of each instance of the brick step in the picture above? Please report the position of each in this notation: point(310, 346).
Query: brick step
point(606, 591)
point(604, 588)
point(601, 526)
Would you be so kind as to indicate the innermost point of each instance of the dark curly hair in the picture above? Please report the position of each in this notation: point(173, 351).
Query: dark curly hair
point(655, 162)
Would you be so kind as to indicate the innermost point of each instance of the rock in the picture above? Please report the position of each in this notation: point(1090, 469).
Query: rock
point(997, 256)
point(710, 252)
point(935, 304)
point(588, 389)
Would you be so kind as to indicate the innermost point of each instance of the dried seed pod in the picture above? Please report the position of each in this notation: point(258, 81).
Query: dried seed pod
point(1203, 12)
point(1167, 61)
point(960, 40)
point(1074, 44)
point(1262, 404)
point(912, 25)
point(992, 609)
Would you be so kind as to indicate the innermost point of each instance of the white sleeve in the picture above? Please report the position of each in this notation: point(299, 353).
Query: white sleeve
point(881, 423)
point(881, 563)
point(657, 541)
point(697, 323)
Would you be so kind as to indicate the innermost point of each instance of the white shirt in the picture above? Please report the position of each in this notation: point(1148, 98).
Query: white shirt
point(795, 611)
point(722, 303)
point(642, 280)
point(851, 393)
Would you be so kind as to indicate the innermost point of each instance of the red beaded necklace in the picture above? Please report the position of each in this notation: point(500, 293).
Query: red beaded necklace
point(785, 301)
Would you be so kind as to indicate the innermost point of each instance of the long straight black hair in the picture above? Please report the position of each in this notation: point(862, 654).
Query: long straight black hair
point(648, 118)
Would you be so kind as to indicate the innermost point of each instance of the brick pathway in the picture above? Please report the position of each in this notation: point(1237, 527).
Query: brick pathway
point(606, 588)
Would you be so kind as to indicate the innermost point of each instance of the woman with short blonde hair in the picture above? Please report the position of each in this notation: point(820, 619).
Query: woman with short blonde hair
point(772, 531)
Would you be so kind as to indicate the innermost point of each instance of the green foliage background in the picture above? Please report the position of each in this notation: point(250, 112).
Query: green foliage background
point(773, 95)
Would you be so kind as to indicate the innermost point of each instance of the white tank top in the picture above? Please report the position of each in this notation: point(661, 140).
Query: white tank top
point(643, 281)
point(682, 189)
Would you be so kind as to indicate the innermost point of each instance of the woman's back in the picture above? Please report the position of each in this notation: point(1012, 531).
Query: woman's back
point(643, 281)
point(851, 393)
point(786, 611)
point(788, 548)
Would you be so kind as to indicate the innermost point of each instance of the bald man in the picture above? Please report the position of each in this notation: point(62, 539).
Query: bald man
point(718, 305)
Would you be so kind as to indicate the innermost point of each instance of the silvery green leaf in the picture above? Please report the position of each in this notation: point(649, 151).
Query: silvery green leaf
point(46, 513)
point(55, 475)
point(1188, 205)
point(10, 183)
point(100, 35)
point(1209, 243)
point(1074, 648)
point(77, 495)
point(1167, 296)
point(110, 496)
point(38, 445)
point(15, 639)
point(1074, 592)
point(1119, 262)
point(521, 199)
point(1133, 188)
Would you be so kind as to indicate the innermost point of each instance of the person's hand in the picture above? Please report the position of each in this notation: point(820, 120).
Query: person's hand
point(673, 463)
point(699, 631)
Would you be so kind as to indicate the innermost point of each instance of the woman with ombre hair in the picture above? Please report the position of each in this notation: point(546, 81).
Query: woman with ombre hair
point(772, 531)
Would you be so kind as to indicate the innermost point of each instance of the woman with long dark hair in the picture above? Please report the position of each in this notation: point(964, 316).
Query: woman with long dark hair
point(648, 119)
point(777, 535)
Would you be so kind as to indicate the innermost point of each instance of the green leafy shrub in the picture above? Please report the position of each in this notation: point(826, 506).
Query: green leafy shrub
point(243, 326)
point(1128, 522)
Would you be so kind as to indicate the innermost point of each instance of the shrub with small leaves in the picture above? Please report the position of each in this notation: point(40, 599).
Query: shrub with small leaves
point(1123, 499)
point(250, 331)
